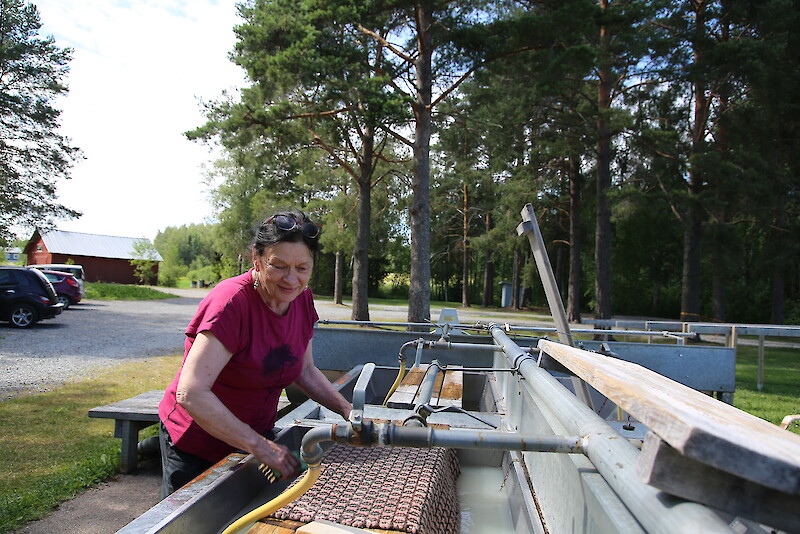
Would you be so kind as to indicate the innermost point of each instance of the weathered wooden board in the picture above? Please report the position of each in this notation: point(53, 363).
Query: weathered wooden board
point(448, 391)
point(696, 425)
point(665, 468)
point(271, 525)
point(142, 407)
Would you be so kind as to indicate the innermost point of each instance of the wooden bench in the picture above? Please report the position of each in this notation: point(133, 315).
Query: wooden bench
point(130, 416)
point(137, 413)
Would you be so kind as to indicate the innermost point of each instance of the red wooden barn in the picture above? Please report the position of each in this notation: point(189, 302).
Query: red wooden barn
point(104, 258)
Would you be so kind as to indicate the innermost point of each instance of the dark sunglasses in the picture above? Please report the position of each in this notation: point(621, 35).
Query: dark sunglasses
point(287, 224)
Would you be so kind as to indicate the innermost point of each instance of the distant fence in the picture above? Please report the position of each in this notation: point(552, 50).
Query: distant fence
point(731, 331)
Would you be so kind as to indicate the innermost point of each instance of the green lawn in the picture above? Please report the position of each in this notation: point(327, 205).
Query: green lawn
point(50, 449)
point(102, 291)
point(781, 393)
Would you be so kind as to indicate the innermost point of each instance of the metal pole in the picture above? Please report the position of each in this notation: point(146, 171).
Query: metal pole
point(760, 384)
point(428, 383)
point(530, 227)
point(614, 457)
point(377, 323)
point(424, 437)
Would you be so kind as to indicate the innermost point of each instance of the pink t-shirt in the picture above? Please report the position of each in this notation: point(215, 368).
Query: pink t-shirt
point(267, 356)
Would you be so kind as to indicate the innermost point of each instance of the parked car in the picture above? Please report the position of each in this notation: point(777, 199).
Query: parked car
point(74, 270)
point(26, 297)
point(67, 287)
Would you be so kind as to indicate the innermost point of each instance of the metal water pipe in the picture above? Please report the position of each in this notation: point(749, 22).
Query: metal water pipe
point(614, 457)
point(428, 383)
point(391, 435)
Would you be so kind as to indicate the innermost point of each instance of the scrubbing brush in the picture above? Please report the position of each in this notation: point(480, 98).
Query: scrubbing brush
point(273, 474)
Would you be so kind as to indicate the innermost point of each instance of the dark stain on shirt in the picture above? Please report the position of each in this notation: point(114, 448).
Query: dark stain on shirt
point(278, 359)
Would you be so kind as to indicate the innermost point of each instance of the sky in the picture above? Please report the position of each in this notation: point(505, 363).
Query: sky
point(139, 71)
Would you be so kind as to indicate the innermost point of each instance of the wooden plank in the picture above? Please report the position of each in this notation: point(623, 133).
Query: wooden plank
point(143, 407)
point(700, 367)
point(452, 389)
point(701, 428)
point(328, 527)
point(665, 468)
point(448, 390)
point(270, 525)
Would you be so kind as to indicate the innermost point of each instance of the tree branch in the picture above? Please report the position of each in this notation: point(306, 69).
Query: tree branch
point(399, 53)
point(317, 114)
point(317, 140)
point(396, 135)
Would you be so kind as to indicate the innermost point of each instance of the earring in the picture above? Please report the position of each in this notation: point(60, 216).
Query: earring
point(255, 283)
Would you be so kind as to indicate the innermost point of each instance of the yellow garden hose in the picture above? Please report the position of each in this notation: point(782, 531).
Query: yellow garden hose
point(278, 502)
point(396, 382)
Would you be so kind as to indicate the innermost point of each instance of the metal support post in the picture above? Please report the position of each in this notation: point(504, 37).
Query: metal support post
point(760, 384)
point(530, 228)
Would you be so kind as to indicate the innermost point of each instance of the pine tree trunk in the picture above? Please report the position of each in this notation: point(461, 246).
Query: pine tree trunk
point(515, 280)
point(602, 252)
point(718, 297)
point(693, 231)
point(488, 271)
point(718, 278)
point(690, 292)
point(338, 278)
point(360, 311)
point(778, 315)
point(465, 246)
point(574, 284)
point(419, 292)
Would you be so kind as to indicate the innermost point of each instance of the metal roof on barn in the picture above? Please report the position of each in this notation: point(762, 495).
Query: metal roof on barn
point(99, 246)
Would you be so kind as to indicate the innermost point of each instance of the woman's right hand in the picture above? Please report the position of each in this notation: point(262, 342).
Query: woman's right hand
point(279, 458)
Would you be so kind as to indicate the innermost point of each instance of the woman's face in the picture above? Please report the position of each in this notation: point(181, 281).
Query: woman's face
point(283, 271)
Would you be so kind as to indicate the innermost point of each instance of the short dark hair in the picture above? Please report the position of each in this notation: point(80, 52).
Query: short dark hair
point(266, 233)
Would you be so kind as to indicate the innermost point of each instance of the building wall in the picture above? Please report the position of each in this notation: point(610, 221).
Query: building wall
point(110, 270)
point(37, 252)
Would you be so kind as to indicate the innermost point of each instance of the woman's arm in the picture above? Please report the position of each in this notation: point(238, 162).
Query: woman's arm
point(314, 384)
point(206, 359)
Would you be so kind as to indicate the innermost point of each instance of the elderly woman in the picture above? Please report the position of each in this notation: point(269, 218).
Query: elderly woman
point(248, 340)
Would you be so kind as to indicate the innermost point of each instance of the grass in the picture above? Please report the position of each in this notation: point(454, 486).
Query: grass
point(781, 392)
point(101, 291)
point(50, 449)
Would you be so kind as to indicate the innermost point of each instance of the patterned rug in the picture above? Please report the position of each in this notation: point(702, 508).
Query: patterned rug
point(407, 490)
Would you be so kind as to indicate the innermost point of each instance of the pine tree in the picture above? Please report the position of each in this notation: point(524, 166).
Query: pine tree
point(33, 154)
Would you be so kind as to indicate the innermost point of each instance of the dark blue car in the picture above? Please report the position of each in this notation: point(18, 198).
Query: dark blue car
point(26, 297)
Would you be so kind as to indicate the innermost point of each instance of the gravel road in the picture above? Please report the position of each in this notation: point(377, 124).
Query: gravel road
point(91, 335)
point(97, 334)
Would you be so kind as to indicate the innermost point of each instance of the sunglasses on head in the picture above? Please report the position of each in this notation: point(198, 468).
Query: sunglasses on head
point(287, 224)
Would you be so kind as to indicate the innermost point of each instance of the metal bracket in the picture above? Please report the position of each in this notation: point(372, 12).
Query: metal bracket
point(360, 395)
